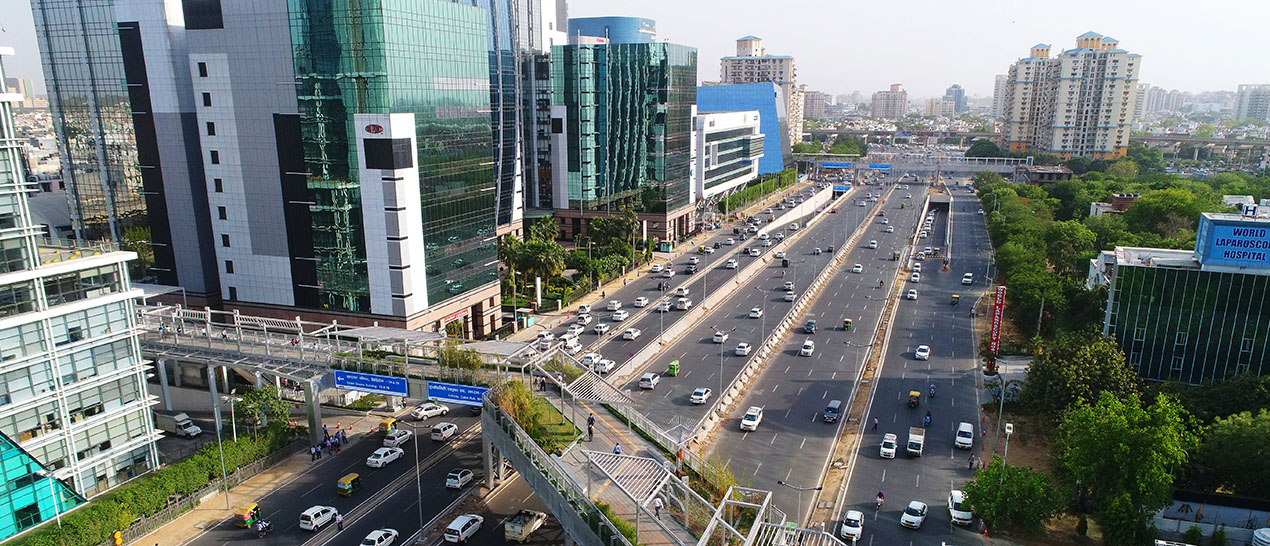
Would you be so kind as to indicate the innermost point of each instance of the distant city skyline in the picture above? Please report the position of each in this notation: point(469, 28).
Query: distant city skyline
point(940, 44)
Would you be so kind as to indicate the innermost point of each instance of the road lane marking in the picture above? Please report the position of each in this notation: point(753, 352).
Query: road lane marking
point(800, 446)
point(760, 465)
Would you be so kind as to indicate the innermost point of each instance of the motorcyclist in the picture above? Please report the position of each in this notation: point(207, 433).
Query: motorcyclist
point(932, 390)
point(881, 498)
point(263, 527)
point(927, 418)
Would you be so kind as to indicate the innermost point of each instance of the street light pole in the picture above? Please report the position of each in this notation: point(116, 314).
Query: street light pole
point(418, 480)
point(800, 497)
point(1009, 429)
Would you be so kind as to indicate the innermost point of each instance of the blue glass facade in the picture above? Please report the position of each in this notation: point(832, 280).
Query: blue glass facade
point(618, 30)
point(30, 497)
point(767, 99)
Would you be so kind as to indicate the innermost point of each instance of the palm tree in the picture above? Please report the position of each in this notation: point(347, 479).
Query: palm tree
point(512, 252)
point(543, 259)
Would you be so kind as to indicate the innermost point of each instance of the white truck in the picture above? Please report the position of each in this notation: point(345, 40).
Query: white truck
point(177, 423)
point(520, 526)
point(916, 438)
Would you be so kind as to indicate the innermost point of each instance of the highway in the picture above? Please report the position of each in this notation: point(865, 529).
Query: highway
point(793, 441)
point(953, 369)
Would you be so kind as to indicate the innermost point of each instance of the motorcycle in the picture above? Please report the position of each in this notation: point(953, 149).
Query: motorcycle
point(264, 528)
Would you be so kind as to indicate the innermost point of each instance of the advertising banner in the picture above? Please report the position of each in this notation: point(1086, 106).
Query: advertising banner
point(880, 166)
point(365, 382)
point(994, 337)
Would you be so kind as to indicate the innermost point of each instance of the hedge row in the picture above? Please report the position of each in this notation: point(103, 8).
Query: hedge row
point(118, 509)
point(738, 200)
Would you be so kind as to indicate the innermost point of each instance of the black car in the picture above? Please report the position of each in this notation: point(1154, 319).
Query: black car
point(810, 327)
point(691, 269)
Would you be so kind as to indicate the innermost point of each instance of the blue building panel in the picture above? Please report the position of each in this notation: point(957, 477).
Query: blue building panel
point(1231, 241)
point(618, 30)
point(767, 99)
point(30, 496)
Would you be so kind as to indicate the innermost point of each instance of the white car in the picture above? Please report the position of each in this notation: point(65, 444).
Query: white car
point(965, 436)
point(458, 478)
point(730, 264)
point(576, 329)
point(707, 250)
point(852, 525)
point(809, 347)
point(443, 431)
point(668, 273)
point(694, 260)
point(640, 302)
point(886, 221)
point(603, 366)
point(614, 305)
point(663, 306)
point(756, 312)
point(754, 252)
point(980, 212)
point(463, 527)
point(601, 328)
point(914, 515)
point(584, 308)
point(889, 229)
point(619, 316)
point(700, 396)
point(873, 244)
point(383, 456)
point(917, 267)
point(584, 319)
point(656, 268)
point(789, 285)
point(916, 277)
point(968, 278)
point(729, 241)
point(790, 296)
point(857, 268)
point(780, 254)
point(380, 537)
point(767, 242)
point(743, 349)
point(397, 438)
point(590, 359)
point(887, 450)
point(922, 352)
point(630, 333)
point(752, 418)
point(316, 516)
point(430, 409)
point(720, 337)
point(959, 509)
point(912, 295)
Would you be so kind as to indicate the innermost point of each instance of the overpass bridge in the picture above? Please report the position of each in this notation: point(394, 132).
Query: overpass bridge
point(966, 136)
point(933, 164)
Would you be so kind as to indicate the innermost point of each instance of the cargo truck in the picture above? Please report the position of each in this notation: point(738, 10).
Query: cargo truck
point(177, 423)
point(520, 526)
point(916, 438)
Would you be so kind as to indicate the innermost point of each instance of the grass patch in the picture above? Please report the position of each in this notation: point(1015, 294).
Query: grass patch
point(366, 403)
point(541, 420)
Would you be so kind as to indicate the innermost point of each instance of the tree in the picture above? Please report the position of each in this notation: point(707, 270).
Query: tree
point(1123, 453)
point(544, 229)
point(1124, 169)
point(1149, 159)
point(1013, 497)
point(1065, 241)
point(543, 259)
point(1230, 444)
point(806, 148)
point(264, 405)
point(1160, 211)
point(1074, 367)
point(983, 148)
point(1073, 197)
point(1078, 165)
point(1110, 231)
point(1035, 295)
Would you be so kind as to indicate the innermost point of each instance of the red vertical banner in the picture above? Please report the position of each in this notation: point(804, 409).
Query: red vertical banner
point(994, 338)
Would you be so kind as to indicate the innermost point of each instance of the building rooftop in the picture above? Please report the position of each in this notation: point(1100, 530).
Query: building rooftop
point(759, 57)
point(1090, 34)
point(1041, 46)
point(1156, 257)
point(750, 37)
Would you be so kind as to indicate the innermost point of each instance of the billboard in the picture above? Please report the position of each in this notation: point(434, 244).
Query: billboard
point(467, 395)
point(842, 189)
point(1236, 244)
point(994, 337)
point(367, 382)
point(880, 166)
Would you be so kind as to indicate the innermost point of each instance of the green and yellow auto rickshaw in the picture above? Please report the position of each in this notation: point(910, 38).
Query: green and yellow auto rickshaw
point(672, 369)
point(247, 515)
point(914, 398)
point(846, 324)
point(956, 299)
point(350, 483)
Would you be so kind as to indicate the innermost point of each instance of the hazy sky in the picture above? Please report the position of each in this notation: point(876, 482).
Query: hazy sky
point(845, 45)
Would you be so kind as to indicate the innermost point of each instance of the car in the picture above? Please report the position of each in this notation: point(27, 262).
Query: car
point(668, 273)
point(380, 537)
point(663, 306)
point(767, 243)
point(915, 278)
point(816, 251)
point(764, 237)
point(458, 478)
point(545, 337)
point(889, 229)
point(968, 278)
point(872, 244)
point(316, 516)
point(780, 254)
point(463, 527)
point(959, 509)
point(584, 309)
point(756, 312)
point(794, 226)
point(614, 305)
point(912, 295)
point(576, 329)
point(789, 285)
point(694, 260)
point(852, 525)
point(751, 229)
point(640, 302)
point(383, 456)
point(752, 418)
point(829, 249)
point(743, 349)
point(397, 438)
point(708, 249)
point(965, 436)
point(914, 515)
point(928, 251)
point(601, 328)
point(729, 241)
point(621, 315)
point(857, 268)
point(754, 252)
point(429, 409)
point(810, 327)
point(700, 396)
point(980, 212)
point(790, 296)
point(886, 221)
point(923, 234)
point(922, 352)
point(649, 380)
point(908, 196)
point(590, 359)
point(630, 333)
point(584, 319)
point(917, 268)
point(809, 348)
point(443, 431)
point(690, 269)
point(656, 268)
point(682, 291)
point(603, 366)
point(887, 450)
point(683, 304)
point(730, 264)
point(720, 337)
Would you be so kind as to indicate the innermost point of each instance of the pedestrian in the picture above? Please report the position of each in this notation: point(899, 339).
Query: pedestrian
point(875, 424)
point(312, 454)
point(325, 433)
point(617, 449)
point(318, 449)
point(590, 420)
point(603, 294)
point(590, 432)
point(657, 507)
point(344, 435)
point(623, 282)
point(339, 522)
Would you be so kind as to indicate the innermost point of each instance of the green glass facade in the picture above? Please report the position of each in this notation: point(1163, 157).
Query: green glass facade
point(30, 497)
point(1188, 325)
point(629, 116)
point(426, 57)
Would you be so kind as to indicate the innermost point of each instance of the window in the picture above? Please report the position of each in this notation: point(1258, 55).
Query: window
point(229, 266)
point(211, 129)
point(222, 213)
point(202, 70)
point(218, 185)
point(224, 240)
point(215, 157)
point(207, 99)
point(233, 294)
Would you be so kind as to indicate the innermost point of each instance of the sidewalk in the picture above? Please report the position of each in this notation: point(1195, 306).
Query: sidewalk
point(212, 511)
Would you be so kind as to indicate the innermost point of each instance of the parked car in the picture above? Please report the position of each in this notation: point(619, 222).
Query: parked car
point(958, 509)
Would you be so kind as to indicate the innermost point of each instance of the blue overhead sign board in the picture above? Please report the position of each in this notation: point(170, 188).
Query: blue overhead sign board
point(467, 395)
point(828, 165)
point(365, 382)
point(842, 188)
point(880, 166)
point(1239, 243)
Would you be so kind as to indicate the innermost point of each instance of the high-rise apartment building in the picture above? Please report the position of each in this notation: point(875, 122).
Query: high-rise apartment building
point(1252, 103)
point(72, 383)
point(752, 64)
point(957, 96)
point(998, 96)
point(814, 103)
point(890, 104)
point(622, 135)
point(1140, 101)
point(1079, 103)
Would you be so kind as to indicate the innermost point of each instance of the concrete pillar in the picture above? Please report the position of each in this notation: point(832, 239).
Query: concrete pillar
point(260, 380)
point(163, 383)
point(224, 377)
point(176, 370)
point(487, 458)
point(315, 411)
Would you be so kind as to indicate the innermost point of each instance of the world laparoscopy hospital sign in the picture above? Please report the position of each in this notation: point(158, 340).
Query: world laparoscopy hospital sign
point(1238, 245)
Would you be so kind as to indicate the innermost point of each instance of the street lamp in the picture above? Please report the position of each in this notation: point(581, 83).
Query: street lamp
point(800, 497)
point(763, 308)
point(233, 424)
point(418, 480)
point(721, 344)
point(1009, 429)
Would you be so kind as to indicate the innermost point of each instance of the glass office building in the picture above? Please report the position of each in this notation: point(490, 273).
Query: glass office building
point(615, 29)
point(31, 494)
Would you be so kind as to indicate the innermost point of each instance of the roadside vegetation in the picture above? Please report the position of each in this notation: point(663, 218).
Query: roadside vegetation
point(536, 415)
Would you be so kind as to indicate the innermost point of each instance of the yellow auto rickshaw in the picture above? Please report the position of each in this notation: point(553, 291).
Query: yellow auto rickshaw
point(914, 398)
point(387, 425)
point(348, 484)
point(846, 324)
point(247, 516)
point(956, 299)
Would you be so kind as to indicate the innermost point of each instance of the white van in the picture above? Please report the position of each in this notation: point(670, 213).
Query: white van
point(316, 516)
point(463, 527)
point(649, 380)
point(968, 278)
point(965, 435)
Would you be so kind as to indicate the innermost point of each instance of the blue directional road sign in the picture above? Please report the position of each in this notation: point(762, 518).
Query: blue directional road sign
point(842, 188)
point(880, 166)
point(828, 165)
point(466, 395)
point(366, 382)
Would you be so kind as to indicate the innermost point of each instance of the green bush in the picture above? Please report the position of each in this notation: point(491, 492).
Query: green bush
point(1193, 535)
point(1218, 538)
point(116, 510)
point(625, 527)
point(758, 190)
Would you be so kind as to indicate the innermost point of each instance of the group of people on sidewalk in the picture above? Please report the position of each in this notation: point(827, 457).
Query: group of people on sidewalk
point(330, 442)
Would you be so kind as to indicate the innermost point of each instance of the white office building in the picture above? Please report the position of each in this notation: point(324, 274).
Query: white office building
point(726, 147)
